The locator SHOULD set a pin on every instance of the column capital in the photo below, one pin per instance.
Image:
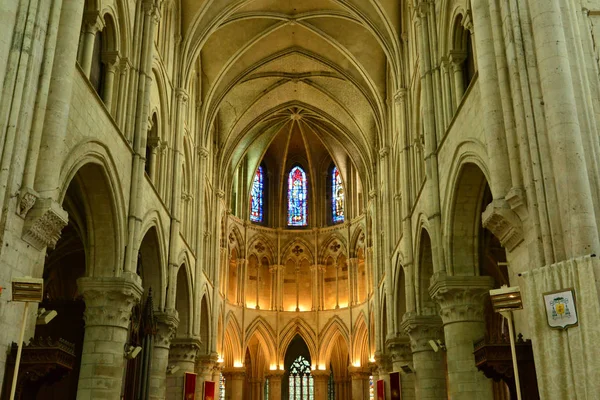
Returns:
(153, 141)
(234, 373)
(399, 348)
(166, 327)
(460, 297)
(93, 22)
(358, 372)
(184, 349)
(457, 57)
(320, 374)
(276, 374)
(421, 329)
(44, 221)
(109, 300)
(112, 59)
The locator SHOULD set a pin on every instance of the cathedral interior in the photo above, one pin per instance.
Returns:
(300, 199)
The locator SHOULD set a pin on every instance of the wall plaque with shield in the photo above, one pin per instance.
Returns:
(561, 309)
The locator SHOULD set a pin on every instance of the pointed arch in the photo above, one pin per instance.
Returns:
(232, 343)
(299, 327)
(260, 329)
(326, 249)
(359, 354)
(269, 250)
(333, 330)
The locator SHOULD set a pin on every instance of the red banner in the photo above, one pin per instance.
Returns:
(395, 386)
(209, 390)
(380, 390)
(189, 386)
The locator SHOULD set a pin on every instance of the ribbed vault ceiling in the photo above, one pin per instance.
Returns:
(267, 63)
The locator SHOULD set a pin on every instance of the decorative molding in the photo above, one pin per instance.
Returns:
(460, 297)
(184, 349)
(504, 223)
(109, 300)
(44, 223)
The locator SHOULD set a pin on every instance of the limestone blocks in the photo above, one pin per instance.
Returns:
(109, 300)
(461, 298)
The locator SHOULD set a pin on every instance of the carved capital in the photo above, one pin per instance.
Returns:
(460, 297)
(166, 327)
(153, 141)
(109, 300)
(421, 329)
(457, 58)
(184, 349)
(384, 152)
(504, 223)
(206, 364)
(220, 194)
(399, 349)
(92, 22)
(111, 59)
(44, 222)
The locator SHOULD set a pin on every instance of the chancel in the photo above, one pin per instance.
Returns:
(300, 199)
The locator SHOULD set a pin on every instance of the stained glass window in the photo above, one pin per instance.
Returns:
(257, 196)
(337, 195)
(297, 197)
(371, 388)
(221, 387)
(301, 381)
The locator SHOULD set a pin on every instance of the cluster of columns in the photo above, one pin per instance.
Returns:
(444, 373)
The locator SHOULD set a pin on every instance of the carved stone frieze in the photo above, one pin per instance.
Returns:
(109, 300)
(44, 223)
(461, 298)
(421, 329)
(504, 223)
(166, 328)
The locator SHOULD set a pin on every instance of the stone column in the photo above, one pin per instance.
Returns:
(461, 300)
(205, 368)
(430, 376)
(320, 378)
(108, 304)
(234, 383)
(275, 377)
(360, 383)
(456, 61)
(92, 24)
(401, 355)
(166, 327)
(111, 60)
(183, 355)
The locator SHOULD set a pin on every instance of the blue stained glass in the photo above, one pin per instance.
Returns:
(337, 195)
(297, 197)
(257, 196)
